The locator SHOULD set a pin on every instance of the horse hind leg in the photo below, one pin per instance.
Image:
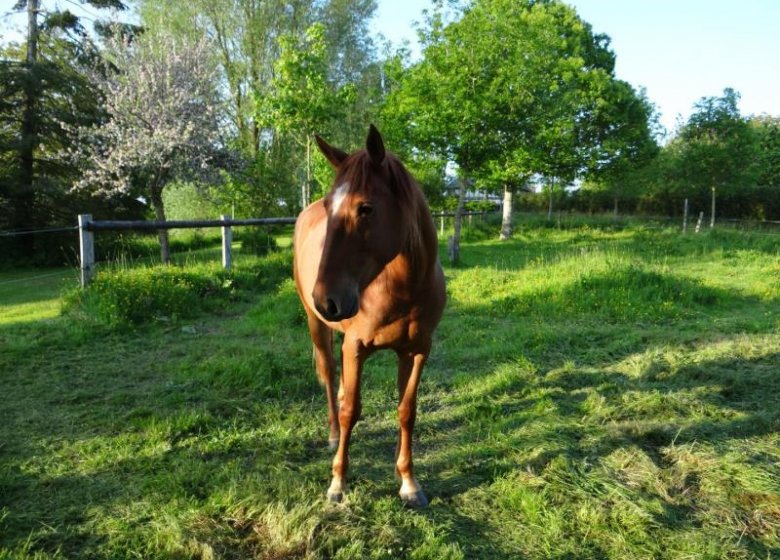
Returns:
(410, 366)
(325, 365)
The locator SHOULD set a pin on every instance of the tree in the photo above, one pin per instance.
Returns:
(509, 90)
(767, 132)
(41, 84)
(627, 125)
(249, 38)
(717, 149)
(302, 102)
(163, 122)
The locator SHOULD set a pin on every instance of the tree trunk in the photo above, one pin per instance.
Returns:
(616, 206)
(306, 186)
(506, 216)
(23, 201)
(712, 215)
(550, 206)
(454, 241)
(159, 215)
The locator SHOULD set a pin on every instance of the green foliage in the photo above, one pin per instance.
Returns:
(303, 100)
(627, 126)
(302, 97)
(508, 90)
(135, 296)
(186, 201)
(480, 206)
(716, 149)
(717, 145)
(767, 131)
(124, 297)
(290, 71)
(37, 100)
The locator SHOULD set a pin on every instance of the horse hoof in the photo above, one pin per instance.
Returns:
(333, 444)
(335, 497)
(415, 500)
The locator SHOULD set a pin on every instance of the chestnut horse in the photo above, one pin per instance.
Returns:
(366, 265)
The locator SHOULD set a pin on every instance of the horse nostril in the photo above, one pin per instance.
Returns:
(332, 308)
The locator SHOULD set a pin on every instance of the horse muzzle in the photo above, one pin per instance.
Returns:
(335, 305)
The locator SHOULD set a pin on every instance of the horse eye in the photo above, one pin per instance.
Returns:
(365, 210)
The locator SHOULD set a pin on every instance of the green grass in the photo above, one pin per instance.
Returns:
(29, 294)
(594, 392)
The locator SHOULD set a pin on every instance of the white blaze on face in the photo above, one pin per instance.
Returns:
(338, 198)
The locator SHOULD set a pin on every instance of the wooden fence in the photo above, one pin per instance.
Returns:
(87, 227)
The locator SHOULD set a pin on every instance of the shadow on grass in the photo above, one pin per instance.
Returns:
(106, 445)
(543, 425)
(528, 248)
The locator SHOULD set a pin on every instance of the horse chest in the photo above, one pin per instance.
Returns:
(397, 334)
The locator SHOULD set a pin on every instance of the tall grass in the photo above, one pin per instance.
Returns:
(594, 392)
(124, 296)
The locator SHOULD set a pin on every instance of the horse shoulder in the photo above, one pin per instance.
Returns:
(307, 249)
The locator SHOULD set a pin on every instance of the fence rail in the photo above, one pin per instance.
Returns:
(87, 226)
(109, 225)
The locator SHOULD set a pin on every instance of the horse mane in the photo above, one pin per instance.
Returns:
(417, 223)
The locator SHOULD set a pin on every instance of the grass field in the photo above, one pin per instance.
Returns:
(594, 392)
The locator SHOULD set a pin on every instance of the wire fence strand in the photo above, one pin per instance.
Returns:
(28, 278)
(13, 233)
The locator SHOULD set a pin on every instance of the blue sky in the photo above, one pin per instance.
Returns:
(679, 50)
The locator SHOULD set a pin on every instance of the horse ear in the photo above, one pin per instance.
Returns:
(375, 146)
(335, 156)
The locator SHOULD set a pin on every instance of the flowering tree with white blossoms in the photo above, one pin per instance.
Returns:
(163, 122)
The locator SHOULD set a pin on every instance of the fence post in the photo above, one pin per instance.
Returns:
(227, 243)
(685, 217)
(86, 249)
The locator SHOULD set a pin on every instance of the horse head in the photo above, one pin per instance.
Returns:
(364, 225)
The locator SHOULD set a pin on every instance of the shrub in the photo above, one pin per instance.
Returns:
(132, 296)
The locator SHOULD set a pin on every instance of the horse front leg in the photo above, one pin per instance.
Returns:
(410, 366)
(353, 357)
(322, 339)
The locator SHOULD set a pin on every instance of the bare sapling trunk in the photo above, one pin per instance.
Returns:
(306, 186)
(162, 234)
(454, 241)
(712, 213)
(550, 205)
(25, 197)
(506, 215)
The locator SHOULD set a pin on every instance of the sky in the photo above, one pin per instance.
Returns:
(679, 50)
